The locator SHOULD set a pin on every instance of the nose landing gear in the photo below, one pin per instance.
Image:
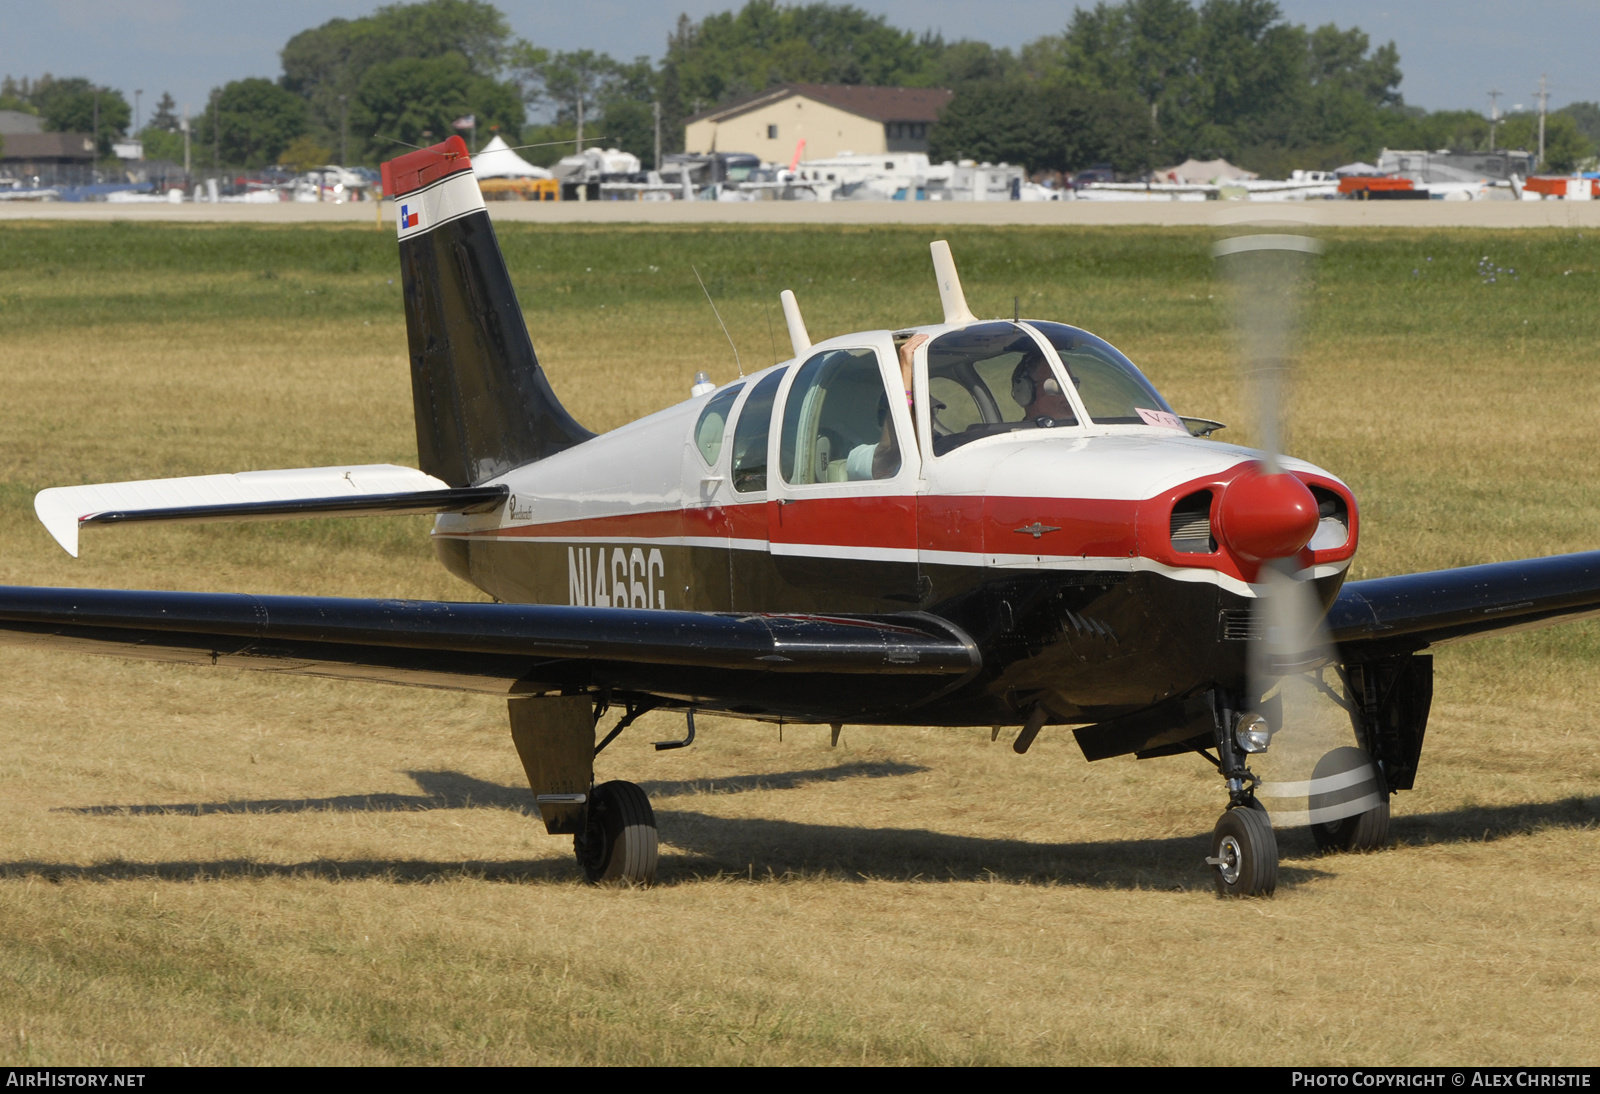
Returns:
(1244, 850)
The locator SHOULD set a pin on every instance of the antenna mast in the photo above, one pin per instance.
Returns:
(720, 323)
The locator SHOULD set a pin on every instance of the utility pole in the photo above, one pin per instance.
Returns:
(583, 174)
(136, 93)
(185, 142)
(1494, 114)
(1544, 101)
(657, 110)
(344, 131)
(216, 130)
(95, 176)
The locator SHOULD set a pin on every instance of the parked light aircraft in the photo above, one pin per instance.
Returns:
(966, 523)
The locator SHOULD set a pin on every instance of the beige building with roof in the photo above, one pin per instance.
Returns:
(27, 146)
(830, 118)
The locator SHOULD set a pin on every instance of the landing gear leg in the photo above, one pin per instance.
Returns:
(1244, 850)
(612, 826)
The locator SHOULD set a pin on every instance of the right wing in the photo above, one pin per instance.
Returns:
(825, 668)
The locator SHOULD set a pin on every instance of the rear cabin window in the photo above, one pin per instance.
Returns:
(750, 436)
(1113, 390)
(836, 421)
(713, 424)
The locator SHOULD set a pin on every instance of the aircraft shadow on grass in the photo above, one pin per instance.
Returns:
(454, 790)
(703, 846)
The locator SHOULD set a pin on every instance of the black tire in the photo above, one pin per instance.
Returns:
(1244, 853)
(619, 844)
(1364, 831)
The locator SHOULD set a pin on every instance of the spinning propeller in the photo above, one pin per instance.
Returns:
(1312, 770)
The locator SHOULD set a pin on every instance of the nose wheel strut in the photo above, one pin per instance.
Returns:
(1244, 849)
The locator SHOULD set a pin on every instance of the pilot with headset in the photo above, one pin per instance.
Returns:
(1038, 392)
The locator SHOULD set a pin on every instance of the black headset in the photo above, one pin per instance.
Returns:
(1022, 385)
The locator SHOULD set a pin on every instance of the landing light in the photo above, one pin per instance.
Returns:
(1252, 733)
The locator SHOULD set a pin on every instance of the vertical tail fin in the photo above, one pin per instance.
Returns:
(483, 405)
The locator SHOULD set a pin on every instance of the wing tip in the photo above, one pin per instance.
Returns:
(55, 511)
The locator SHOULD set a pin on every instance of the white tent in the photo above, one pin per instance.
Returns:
(496, 160)
(1357, 169)
(1203, 171)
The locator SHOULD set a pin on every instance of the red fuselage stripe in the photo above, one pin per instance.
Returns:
(1046, 528)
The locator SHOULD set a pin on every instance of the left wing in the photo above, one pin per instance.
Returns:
(804, 666)
(1389, 616)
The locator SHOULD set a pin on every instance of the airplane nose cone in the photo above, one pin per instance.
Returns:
(1267, 516)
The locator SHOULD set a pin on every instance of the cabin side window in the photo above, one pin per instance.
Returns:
(750, 436)
(713, 424)
(836, 422)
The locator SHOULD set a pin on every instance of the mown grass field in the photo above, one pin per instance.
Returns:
(210, 867)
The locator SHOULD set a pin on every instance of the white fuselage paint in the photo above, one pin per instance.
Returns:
(652, 466)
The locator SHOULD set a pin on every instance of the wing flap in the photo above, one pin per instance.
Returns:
(257, 495)
(1412, 612)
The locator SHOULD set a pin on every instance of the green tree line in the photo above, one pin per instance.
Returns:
(1135, 84)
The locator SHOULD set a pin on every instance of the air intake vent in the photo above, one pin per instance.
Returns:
(1235, 625)
(1191, 525)
(1333, 520)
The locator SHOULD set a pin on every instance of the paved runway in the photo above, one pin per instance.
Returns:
(1333, 214)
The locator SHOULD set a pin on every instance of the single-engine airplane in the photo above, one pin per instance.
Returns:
(966, 523)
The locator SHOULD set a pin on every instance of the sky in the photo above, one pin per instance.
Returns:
(1452, 53)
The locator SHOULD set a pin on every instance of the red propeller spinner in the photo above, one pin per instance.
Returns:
(1264, 515)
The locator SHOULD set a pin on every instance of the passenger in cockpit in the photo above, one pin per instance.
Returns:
(908, 352)
(882, 460)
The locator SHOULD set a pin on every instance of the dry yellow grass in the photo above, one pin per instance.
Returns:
(211, 867)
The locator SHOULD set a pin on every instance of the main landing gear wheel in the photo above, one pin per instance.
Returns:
(1367, 831)
(1244, 853)
(619, 843)
(1364, 831)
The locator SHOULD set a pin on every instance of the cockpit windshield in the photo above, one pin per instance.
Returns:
(992, 378)
(1114, 392)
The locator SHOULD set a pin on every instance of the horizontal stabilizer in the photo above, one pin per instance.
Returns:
(257, 495)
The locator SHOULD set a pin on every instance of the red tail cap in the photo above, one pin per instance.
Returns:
(414, 170)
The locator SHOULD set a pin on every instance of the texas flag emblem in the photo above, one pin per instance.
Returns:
(408, 218)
